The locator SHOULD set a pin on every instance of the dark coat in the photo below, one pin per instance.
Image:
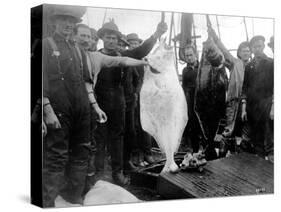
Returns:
(258, 87)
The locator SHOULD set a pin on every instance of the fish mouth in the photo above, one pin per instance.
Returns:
(153, 70)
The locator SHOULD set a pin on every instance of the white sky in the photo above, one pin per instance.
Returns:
(232, 28)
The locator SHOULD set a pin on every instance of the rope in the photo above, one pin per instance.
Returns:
(105, 13)
(218, 26)
(171, 25)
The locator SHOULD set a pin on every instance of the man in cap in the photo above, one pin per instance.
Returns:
(236, 67)
(189, 74)
(137, 143)
(122, 43)
(257, 98)
(110, 95)
(95, 61)
(85, 40)
(68, 123)
(134, 40)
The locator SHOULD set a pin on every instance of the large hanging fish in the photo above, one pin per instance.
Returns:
(210, 92)
(162, 103)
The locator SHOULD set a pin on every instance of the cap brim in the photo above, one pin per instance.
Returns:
(139, 40)
(126, 42)
(56, 16)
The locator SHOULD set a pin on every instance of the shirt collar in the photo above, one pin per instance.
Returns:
(194, 66)
(263, 56)
(59, 38)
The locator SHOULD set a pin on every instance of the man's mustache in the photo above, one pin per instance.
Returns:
(85, 43)
(68, 28)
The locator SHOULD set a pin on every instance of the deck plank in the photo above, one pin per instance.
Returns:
(240, 174)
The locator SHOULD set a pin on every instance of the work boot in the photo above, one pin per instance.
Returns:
(90, 182)
(120, 179)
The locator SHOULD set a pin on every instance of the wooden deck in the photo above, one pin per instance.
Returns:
(241, 174)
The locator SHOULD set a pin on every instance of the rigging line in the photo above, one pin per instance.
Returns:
(218, 26)
(105, 13)
(171, 28)
(174, 27)
(245, 24)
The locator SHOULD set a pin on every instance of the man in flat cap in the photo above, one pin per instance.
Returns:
(257, 98)
(134, 40)
(137, 143)
(95, 61)
(68, 123)
(110, 96)
(123, 43)
(189, 75)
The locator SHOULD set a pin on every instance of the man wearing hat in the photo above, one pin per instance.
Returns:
(95, 61)
(257, 99)
(68, 124)
(137, 143)
(110, 96)
(122, 43)
(134, 40)
(189, 75)
(131, 82)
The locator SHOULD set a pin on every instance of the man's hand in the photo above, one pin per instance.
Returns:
(102, 118)
(162, 27)
(244, 116)
(218, 138)
(226, 133)
(244, 113)
(50, 118)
